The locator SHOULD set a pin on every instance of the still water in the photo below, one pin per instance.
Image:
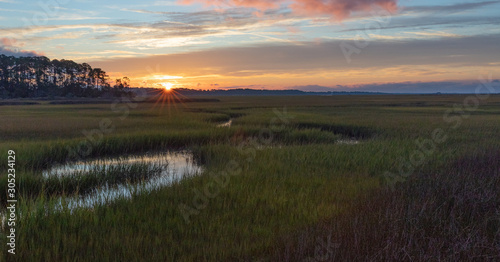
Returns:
(174, 167)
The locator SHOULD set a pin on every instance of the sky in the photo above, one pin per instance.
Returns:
(404, 46)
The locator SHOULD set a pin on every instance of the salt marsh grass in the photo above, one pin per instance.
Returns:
(291, 190)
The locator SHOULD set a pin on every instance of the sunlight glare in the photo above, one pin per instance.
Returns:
(167, 86)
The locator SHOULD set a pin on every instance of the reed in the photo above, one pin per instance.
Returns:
(288, 193)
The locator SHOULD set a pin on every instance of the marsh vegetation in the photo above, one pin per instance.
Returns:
(288, 175)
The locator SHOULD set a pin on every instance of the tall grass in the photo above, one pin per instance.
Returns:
(290, 196)
(448, 215)
(83, 182)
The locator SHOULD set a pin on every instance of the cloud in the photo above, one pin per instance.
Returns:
(276, 66)
(328, 55)
(449, 9)
(313, 88)
(17, 53)
(323, 63)
(175, 29)
(439, 16)
(260, 4)
(7, 41)
(455, 87)
(10, 47)
(338, 9)
(341, 9)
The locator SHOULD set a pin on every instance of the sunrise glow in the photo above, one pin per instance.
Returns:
(304, 45)
(167, 86)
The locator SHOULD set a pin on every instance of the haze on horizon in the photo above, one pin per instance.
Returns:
(369, 45)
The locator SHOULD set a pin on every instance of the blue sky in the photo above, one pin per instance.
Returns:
(265, 44)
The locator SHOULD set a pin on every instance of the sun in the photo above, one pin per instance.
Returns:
(167, 86)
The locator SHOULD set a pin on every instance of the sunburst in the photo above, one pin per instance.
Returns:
(167, 85)
(167, 95)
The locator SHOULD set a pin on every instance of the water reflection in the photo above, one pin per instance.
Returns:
(348, 141)
(175, 166)
(226, 124)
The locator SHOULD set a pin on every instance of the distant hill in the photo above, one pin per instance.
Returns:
(244, 92)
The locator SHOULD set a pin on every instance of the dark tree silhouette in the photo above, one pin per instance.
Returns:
(40, 77)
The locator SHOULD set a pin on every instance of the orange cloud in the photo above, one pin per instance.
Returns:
(341, 9)
(7, 41)
(338, 9)
(322, 63)
(9, 47)
(260, 4)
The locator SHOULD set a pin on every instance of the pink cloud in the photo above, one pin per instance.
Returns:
(293, 29)
(7, 41)
(9, 46)
(338, 9)
(259, 4)
(258, 14)
(341, 9)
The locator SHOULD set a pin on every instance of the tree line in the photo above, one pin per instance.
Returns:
(38, 76)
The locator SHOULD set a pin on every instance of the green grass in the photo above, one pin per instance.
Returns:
(449, 215)
(83, 182)
(277, 181)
